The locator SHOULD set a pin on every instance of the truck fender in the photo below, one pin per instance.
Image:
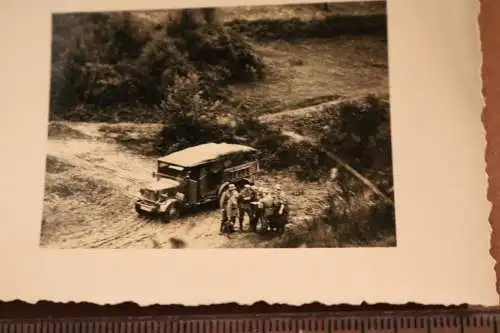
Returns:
(164, 205)
(222, 188)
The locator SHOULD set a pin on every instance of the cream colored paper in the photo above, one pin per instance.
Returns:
(442, 213)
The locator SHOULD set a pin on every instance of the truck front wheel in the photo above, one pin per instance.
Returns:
(172, 212)
(138, 210)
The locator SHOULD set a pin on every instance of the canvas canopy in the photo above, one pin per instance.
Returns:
(204, 153)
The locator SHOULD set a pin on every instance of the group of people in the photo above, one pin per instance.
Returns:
(236, 205)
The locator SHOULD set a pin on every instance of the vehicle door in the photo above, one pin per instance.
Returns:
(215, 176)
(193, 191)
(203, 182)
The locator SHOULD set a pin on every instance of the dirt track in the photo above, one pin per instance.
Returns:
(89, 200)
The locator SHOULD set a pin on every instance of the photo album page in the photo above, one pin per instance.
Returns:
(202, 153)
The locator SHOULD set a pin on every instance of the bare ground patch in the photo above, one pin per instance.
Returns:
(60, 130)
(316, 71)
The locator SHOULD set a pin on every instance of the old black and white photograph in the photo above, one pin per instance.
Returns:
(228, 127)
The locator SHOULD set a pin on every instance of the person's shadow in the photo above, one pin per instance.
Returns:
(177, 243)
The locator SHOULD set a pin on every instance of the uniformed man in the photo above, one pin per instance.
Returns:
(280, 202)
(227, 202)
(266, 202)
(256, 212)
(245, 198)
(256, 195)
(232, 205)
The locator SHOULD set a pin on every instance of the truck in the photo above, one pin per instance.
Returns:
(196, 175)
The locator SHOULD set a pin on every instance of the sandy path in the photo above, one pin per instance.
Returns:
(118, 228)
(290, 115)
(113, 223)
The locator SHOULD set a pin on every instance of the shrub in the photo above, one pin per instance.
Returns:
(357, 215)
(113, 61)
(96, 64)
(309, 233)
(359, 133)
(353, 217)
(189, 118)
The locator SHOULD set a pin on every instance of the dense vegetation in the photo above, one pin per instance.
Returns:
(115, 67)
(358, 133)
(120, 67)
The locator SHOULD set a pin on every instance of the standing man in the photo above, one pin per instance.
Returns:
(255, 192)
(280, 202)
(266, 208)
(225, 206)
(255, 211)
(232, 205)
(245, 198)
(279, 198)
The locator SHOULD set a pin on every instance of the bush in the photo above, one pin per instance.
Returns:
(354, 217)
(357, 215)
(309, 233)
(96, 63)
(360, 133)
(114, 61)
(189, 118)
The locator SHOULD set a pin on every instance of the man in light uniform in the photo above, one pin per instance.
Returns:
(254, 209)
(229, 206)
(281, 202)
(266, 210)
(245, 197)
(279, 197)
(257, 192)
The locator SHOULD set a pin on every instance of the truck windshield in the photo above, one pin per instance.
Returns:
(150, 195)
(169, 170)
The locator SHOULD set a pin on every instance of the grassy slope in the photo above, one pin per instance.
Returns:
(315, 69)
(309, 71)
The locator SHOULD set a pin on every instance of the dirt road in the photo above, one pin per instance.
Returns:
(91, 185)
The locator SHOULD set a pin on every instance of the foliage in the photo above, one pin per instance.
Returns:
(357, 215)
(359, 133)
(295, 29)
(353, 217)
(110, 61)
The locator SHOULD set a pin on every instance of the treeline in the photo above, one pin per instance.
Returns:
(110, 66)
(331, 26)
